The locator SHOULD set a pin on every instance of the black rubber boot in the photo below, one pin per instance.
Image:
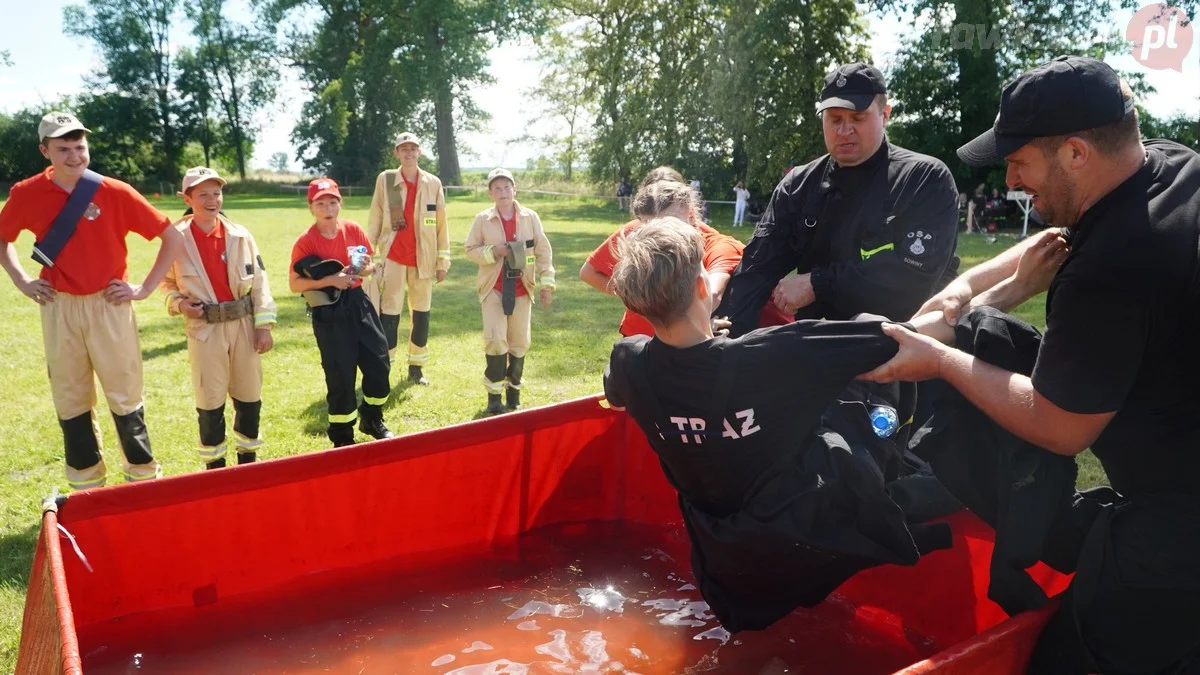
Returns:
(341, 434)
(246, 415)
(494, 406)
(391, 329)
(420, 329)
(79, 441)
(247, 457)
(215, 464)
(370, 422)
(212, 435)
(416, 376)
(494, 373)
(512, 395)
(135, 441)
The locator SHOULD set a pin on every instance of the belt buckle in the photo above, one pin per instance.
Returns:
(511, 273)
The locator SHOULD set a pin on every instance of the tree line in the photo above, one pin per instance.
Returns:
(723, 90)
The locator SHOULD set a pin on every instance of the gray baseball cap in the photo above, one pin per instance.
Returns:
(59, 124)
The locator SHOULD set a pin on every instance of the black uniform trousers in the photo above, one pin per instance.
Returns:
(350, 338)
(1134, 603)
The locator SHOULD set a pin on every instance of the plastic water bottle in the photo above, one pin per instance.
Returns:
(358, 258)
(884, 421)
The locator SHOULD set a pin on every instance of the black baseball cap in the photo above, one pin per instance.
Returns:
(1065, 96)
(853, 85)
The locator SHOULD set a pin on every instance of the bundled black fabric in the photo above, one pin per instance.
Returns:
(1023, 491)
(816, 516)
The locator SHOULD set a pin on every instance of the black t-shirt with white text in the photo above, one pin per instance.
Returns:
(786, 378)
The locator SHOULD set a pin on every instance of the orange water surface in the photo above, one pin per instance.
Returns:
(595, 598)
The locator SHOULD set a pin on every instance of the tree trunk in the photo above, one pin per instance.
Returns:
(447, 151)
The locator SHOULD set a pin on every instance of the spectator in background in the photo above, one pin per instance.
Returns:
(624, 192)
(975, 209)
(739, 207)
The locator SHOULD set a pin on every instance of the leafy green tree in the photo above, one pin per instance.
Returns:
(19, 156)
(197, 114)
(133, 38)
(946, 80)
(361, 92)
(239, 64)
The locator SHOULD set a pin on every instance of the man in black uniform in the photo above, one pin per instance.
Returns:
(782, 491)
(1116, 369)
(870, 227)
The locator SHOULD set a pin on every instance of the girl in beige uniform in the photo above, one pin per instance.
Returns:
(220, 287)
(514, 257)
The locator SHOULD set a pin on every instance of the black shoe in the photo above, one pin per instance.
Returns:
(375, 428)
(512, 398)
(494, 406)
(247, 457)
(415, 376)
(215, 464)
(341, 434)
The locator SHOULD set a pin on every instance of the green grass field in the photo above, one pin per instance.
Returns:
(571, 343)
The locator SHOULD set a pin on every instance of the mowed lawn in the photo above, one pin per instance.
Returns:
(571, 343)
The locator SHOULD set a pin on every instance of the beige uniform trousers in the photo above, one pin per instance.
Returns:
(85, 338)
(395, 281)
(226, 364)
(506, 334)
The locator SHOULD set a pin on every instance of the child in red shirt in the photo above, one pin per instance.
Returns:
(345, 324)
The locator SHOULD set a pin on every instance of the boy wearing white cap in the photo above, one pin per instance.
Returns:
(407, 226)
(220, 287)
(514, 257)
(81, 219)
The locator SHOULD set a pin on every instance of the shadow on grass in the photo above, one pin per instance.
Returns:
(16, 555)
(316, 415)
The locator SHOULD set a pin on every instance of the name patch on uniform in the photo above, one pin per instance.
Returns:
(696, 427)
(431, 207)
(429, 222)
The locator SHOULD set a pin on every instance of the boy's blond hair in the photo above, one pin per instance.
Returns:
(658, 263)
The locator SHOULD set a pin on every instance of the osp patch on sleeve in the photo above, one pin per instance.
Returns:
(916, 247)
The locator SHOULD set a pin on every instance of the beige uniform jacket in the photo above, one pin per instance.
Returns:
(187, 278)
(487, 232)
(387, 215)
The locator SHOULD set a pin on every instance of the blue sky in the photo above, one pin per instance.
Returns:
(48, 64)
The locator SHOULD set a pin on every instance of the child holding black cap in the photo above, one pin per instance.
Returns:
(345, 324)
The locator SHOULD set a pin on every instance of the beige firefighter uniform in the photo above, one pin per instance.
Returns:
(388, 286)
(221, 344)
(73, 328)
(508, 335)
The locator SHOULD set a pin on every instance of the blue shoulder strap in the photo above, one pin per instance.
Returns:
(60, 232)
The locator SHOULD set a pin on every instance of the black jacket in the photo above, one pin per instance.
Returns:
(878, 238)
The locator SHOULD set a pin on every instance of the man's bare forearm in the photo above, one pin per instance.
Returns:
(986, 275)
(1004, 296)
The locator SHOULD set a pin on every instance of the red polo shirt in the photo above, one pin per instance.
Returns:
(96, 254)
(404, 246)
(312, 242)
(211, 246)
